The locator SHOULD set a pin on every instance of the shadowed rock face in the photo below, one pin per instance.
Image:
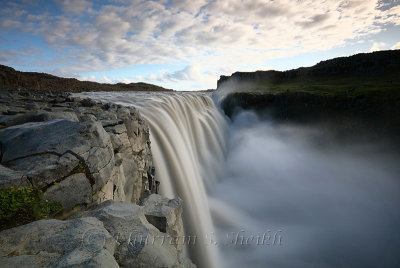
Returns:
(350, 117)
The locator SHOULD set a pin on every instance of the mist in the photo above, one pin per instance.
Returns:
(318, 202)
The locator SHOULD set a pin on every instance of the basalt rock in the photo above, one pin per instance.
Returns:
(82, 242)
(140, 243)
(89, 156)
(108, 144)
(166, 215)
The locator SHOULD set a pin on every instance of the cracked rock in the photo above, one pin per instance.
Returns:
(55, 243)
(73, 190)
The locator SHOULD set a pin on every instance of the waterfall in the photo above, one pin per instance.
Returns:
(284, 195)
(187, 136)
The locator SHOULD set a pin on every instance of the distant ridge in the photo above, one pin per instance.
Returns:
(11, 78)
(364, 65)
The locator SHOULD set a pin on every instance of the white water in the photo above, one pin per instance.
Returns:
(188, 137)
(323, 206)
(330, 204)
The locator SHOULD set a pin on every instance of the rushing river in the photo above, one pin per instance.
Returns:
(263, 195)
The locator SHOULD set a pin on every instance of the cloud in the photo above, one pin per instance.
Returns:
(74, 6)
(396, 46)
(209, 36)
(191, 72)
(376, 46)
(107, 80)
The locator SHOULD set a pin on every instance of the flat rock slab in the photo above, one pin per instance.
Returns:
(87, 141)
(82, 242)
(54, 136)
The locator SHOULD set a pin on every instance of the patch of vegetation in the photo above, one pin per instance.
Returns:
(80, 168)
(22, 205)
(346, 86)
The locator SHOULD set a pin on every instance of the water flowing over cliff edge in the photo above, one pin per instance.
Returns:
(188, 136)
(267, 194)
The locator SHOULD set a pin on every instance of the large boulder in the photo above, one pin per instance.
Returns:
(45, 169)
(166, 215)
(80, 242)
(42, 143)
(140, 243)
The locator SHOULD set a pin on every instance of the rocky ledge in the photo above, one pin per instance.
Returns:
(94, 160)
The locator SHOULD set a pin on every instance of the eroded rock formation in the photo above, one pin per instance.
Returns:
(95, 159)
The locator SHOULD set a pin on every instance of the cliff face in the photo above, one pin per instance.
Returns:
(379, 64)
(360, 118)
(40, 81)
(95, 159)
(357, 94)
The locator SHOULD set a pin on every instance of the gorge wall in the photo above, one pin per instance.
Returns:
(356, 95)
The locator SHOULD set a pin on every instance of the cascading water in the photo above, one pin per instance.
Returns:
(187, 136)
(281, 200)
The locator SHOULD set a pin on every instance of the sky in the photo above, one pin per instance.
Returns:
(188, 44)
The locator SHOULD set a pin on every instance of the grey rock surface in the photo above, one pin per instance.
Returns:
(84, 154)
(87, 141)
(44, 169)
(166, 215)
(12, 178)
(140, 243)
(72, 191)
(54, 243)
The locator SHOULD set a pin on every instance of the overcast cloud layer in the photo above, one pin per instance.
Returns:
(206, 38)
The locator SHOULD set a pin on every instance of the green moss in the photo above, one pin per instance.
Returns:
(23, 205)
(80, 168)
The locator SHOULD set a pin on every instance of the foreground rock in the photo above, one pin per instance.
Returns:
(112, 234)
(48, 138)
(80, 243)
(89, 156)
(140, 243)
(166, 215)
